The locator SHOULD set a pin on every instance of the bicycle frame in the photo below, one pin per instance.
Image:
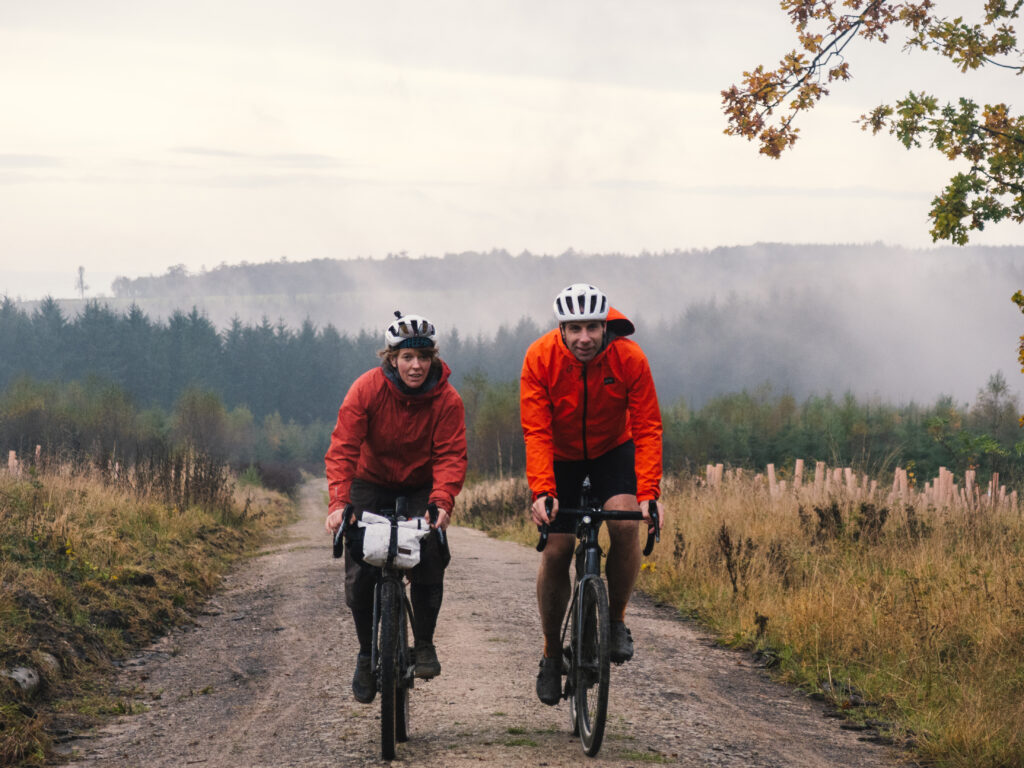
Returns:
(394, 676)
(587, 623)
(588, 554)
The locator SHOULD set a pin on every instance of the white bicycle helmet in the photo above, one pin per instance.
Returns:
(410, 331)
(580, 302)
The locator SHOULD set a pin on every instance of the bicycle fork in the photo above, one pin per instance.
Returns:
(405, 615)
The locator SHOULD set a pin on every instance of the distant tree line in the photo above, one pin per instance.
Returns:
(268, 368)
(299, 374)
(105, 382)
(808, 318)
(111, 384)
(753, 429)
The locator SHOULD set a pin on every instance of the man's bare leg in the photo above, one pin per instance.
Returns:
(623, 563)
(554, 589)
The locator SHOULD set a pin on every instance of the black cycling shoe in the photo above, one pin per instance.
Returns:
(427, 665)
(621, 645)
(363, 686)
(549, 680)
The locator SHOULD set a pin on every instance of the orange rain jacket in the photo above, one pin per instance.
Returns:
(572, 411)
(397, 439)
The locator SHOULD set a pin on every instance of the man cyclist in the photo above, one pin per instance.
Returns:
(588, 408)
(401, 431)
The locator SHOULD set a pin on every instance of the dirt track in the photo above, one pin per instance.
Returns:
(263, 680)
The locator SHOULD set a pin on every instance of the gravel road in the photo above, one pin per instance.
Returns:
(263, 679)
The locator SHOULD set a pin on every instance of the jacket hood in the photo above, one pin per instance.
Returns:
(618, 325)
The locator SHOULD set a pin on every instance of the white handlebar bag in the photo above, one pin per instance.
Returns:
(377, 540)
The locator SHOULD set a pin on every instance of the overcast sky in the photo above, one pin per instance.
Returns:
(137, 135)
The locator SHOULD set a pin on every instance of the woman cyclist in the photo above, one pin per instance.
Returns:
(401, 431)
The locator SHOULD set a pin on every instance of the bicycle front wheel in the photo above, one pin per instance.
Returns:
(388, 653)
(592, 664)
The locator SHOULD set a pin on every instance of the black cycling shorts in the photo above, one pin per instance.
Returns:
(611, 474)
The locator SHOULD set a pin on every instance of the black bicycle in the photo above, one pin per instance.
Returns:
(587, 623)
(391, 656)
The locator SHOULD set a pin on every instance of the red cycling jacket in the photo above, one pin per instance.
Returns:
(572, 411)
(392, 438)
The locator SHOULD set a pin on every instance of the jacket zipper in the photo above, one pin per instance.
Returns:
(585, 456)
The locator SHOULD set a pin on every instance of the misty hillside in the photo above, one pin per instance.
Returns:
(902, 324)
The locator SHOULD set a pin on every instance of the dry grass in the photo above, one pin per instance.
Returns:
(498, 507)
(87, 572)
(908, 616)
(915, 611)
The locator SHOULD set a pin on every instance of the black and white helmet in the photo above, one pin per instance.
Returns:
(410, 331)
(580, 302)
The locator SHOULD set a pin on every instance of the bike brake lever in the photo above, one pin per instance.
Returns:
(549, 504)
(339, 535)
(432, 515)
(339, 541)
(656, 534)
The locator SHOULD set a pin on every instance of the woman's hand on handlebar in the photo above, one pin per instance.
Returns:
(336, 517)
(443, 518)
(538, 510)
(334, 520)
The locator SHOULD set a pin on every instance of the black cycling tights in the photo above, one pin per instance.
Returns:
(426, 605)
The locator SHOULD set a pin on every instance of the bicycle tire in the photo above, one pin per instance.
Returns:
(593, 663)
(405, 661)
(388, 639)
(569, 658)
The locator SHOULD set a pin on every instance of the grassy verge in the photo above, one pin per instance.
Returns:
(907, 617)
(88, 573)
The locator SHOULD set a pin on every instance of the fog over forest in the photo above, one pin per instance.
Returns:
(874, 320)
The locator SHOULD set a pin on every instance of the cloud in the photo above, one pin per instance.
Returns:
(756, 191)
(29, 161)
(285, 160)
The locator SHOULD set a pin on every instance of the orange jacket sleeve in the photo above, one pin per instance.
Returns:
(645, 423)
(535, 413)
